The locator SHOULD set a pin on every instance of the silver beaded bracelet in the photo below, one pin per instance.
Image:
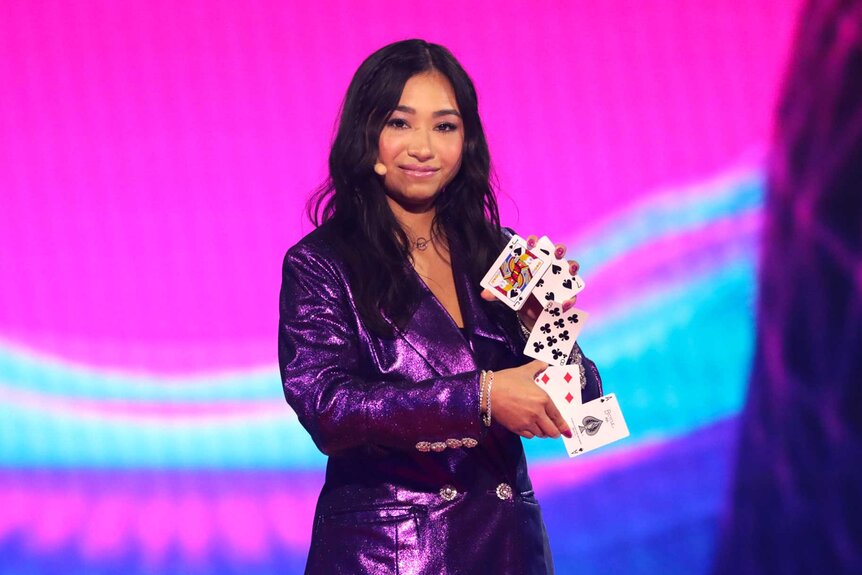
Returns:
(579, 361)
(482, 391)
(524, 331)
(486, 418)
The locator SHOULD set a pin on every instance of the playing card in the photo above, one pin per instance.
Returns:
(557, 284)
(553, 336)
(516, 271)
(546, 243)
(596, 424)
(563, 384)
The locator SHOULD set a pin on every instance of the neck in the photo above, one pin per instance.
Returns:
(417, 223)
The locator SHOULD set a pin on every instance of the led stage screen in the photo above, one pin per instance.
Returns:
(154, 165)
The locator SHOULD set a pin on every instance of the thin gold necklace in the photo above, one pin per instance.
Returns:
(421, 243)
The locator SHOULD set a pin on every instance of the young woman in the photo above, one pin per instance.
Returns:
(408, 377)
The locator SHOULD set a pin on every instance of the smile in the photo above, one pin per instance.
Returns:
(419, 171)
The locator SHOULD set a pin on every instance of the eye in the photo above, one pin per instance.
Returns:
(398, 123)
(447, 127)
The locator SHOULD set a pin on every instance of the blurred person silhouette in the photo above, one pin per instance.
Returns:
(797, 492)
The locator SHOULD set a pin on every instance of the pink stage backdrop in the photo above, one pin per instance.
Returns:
(156, 155)
(155, 160)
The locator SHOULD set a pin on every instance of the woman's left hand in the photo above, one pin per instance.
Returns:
(533, 307)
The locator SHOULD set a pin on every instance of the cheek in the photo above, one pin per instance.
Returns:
(386, 149)
(454, 154)
(454, 166)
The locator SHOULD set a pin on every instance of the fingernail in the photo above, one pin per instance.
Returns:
(573, 269)
(531, 243)
(559, 252)
(568, 433)
(567, 306)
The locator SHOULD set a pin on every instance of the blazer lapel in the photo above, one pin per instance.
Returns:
(477, 321)
(433, 334)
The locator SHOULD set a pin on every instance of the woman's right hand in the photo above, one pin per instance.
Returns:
(522, 407)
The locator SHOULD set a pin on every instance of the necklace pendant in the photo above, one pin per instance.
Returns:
(421, 244)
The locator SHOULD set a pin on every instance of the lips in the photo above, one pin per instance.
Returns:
(419, 171)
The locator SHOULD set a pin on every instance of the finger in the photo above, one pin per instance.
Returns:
(559, 251)
(527, 434)
(574, 266)
(533, 430)
(536, 367)
(487, 295)
(558, 420)
(547, 427)
(532, 309)
(569, 303)
(532, 241)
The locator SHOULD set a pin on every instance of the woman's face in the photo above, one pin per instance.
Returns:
(421, 142)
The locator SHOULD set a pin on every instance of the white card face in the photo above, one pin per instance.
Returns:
(596, 424)
(558, 284)
(546, 243)
(563, 384)
(554, 334)
(516, 271)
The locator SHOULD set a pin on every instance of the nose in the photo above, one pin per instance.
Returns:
(420, 146)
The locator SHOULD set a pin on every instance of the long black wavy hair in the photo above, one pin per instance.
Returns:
(353, 198)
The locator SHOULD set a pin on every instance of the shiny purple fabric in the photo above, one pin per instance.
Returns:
(367, 401)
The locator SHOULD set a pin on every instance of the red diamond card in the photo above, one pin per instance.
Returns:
(563, 384)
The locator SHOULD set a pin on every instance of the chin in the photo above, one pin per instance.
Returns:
(414, 197)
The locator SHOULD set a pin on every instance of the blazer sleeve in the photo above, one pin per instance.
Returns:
(593, 388)
(321, 369)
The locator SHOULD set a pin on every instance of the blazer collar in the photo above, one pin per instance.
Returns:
(432, 332)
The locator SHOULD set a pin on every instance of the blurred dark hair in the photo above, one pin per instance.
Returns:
(353, 198)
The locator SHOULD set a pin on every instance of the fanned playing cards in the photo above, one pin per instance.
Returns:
(593, 424)
(519, 272)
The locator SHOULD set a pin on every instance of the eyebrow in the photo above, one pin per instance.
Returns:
(438, 113)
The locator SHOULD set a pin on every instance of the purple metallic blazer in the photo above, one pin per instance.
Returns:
(415, 484)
